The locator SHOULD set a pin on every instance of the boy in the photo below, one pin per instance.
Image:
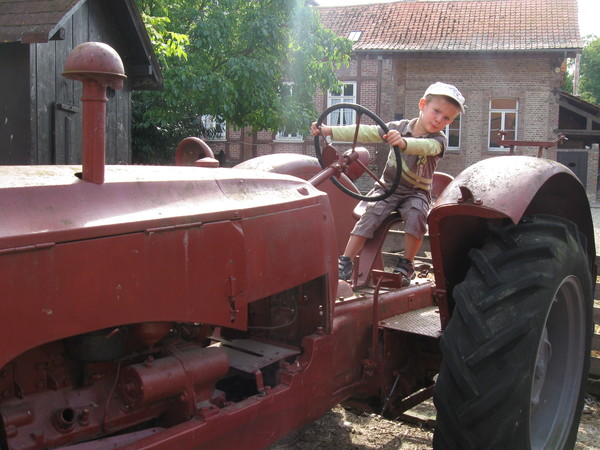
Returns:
(422, 144)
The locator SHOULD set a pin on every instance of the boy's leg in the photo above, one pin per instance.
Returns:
(354, 245)
(353, 248)
(405, 265)
(414, 211)
(372, 218)
(412, 244)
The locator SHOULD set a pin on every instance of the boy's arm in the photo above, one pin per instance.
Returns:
(414, 146)
(367, 134)
(422, 146)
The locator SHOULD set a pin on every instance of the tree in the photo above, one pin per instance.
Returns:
(589, 81)
(227, 59)
(568, 77)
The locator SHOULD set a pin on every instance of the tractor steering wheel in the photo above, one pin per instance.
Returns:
(348, 162)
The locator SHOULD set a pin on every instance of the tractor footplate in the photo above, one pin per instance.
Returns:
(424, 322)
(247, 355)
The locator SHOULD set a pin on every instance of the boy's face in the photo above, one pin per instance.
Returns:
(437, 113)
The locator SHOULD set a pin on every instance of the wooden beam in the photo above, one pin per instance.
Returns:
(578, 111)
(570, 132)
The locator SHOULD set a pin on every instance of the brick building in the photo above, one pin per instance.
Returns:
(508, 57)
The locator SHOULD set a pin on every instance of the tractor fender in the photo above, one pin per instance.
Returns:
(493, 192)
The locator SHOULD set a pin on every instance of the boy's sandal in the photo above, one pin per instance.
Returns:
(406, 269)
(345, 268)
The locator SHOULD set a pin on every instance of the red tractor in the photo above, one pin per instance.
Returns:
(199, 307)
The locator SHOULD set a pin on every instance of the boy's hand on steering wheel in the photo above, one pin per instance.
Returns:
(323, 130)
(393, 137)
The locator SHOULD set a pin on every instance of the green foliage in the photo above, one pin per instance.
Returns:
(227, 59)
(166, 43)
(589, 81)
(568, 77)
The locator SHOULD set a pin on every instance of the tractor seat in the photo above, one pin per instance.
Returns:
(440, 181)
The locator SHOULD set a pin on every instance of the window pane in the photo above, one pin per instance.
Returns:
(347, 116)
(453, 133)
(510, 121)
(495, 121)
(213, 130)
(286, 89)
(503, 117)
(509, 136)
(346, 95)
(456, 123)
(453, 139)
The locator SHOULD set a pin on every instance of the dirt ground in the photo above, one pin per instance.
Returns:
(342, 428)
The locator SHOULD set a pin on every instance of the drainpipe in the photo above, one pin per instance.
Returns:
(99, 67)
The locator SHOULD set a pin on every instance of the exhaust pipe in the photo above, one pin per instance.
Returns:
(99, 67)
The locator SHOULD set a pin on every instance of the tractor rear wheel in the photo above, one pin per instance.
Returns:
(516, 350)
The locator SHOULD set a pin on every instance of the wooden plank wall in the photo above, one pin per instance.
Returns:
(56, 134)
(595, 363)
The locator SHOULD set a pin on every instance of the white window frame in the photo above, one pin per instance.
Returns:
(282, 135)
(210, 123)
(354, 36)
(503, 114)
(459, 128)
(342, 116)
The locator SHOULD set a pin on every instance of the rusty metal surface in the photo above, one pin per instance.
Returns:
(193, 151)
(203, 273)
(491, 191)
(96, 62)
(540, 144)
(118, 283)
(98, 66)
(424, 322)
(159, 258)
(249, 355)
(306, 167)
(49, 203)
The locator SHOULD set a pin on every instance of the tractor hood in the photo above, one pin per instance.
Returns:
(40, 204)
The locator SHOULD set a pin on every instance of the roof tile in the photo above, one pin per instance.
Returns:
(459, 25)
(35, 19)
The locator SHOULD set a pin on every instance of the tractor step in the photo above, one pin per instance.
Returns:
(247, 355)
(424, 322)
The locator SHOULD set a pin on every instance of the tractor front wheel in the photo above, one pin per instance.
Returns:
(516, 350)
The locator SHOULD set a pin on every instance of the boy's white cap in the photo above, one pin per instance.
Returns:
(447, 90)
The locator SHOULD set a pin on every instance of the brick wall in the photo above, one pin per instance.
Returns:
(392, 84)
(529, 79)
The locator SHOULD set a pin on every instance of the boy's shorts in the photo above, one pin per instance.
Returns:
(413, 206)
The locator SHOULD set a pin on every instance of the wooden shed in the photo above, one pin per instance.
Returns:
(40, 111)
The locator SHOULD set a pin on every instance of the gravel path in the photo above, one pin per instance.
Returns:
(345, 429)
